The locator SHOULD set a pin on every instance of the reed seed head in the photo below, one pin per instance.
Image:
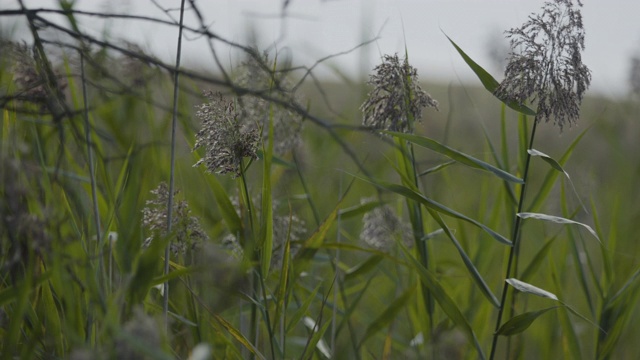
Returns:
(382, 228)
(36, 79)
(187, 227)
(225, 138)
(545, 65)
(396, 100)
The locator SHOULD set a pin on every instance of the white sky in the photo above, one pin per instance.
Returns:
(316, 28)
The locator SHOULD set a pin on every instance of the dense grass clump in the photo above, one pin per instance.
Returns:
(152, 211)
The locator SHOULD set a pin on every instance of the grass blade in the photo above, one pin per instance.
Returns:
(298, 315)
(558, 220)
(316, 340)
(311, 245)
(227, 210)
(431, 204)
(552, 175)
(364, 267)
(530, 289)
(520, 323)
(444, 300)
(537, 260)
(572, 350)
(455, 155)
(388, 315)
(475, 275)
(488, 81)
(266, 228)
(554, 164)
(357, 210)
(237, 335)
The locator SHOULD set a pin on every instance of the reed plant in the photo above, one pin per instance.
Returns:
(152, 211)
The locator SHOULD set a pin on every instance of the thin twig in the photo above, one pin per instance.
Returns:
(174, 121)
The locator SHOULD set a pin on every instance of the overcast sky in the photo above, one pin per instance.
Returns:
(314, 29)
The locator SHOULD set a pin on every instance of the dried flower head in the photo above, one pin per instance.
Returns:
(382, 228)
(30, 82)
(187, 227)
(257, 74)
(227, 141)
(545, 65)
(30, 76)
(397, 100)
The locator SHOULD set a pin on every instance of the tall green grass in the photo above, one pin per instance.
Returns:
(79, 164)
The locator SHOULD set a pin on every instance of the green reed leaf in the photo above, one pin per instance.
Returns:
(52, 317)
(302, 311)
(455, 155)
(558, 220)
(431, 204)
(313, 243)
(552, 175)
(437, 168)
(266, 228)
(360, 209)
(530, 289)
(316, 341)
(471, 268)
(537, 260)
(629, 286)
(443, 299)
(363, 267)
(488, 81)
(283, 283)
(569, 336)
(388, 315)
(554, 164)
(237, 335)
(520, 323)
(228, 211)
(147, 267)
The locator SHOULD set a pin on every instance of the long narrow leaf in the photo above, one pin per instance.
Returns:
(360, 209)
(237, 335)
(364, 267)
(298, 315)
(313, 243)
(554, 164)
(455, 155)
(475, 275)
(316, 340)
(530, 289)
(489, 82)
(520, 323)
(227, 210)
(552, 175)
(266, 230)
(558, 220)
(537, 260)
(444, 300)
(431, 204)
(283, 284)
(572, 349)
(388, 315)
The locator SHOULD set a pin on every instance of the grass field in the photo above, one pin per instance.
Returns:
(321, 238)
